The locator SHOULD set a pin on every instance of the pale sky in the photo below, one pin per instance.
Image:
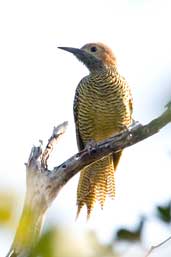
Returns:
(38, 82)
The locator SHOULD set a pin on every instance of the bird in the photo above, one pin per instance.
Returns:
(103, 107)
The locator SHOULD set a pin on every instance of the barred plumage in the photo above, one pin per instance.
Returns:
(102, 108)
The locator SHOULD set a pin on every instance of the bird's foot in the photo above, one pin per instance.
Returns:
(91, 146)
(134, 124)
(128, 129)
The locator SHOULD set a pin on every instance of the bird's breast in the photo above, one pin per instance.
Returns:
(103, 110)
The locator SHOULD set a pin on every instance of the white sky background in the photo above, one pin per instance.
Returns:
(38, 82)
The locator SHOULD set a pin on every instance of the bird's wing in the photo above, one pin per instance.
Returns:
(130, 101)
(129, 95)
(117, 155)
(80, 143)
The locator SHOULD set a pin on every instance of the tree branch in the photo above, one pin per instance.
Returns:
(38, 197)
(120, 141)
(43, 185)
(157, 246)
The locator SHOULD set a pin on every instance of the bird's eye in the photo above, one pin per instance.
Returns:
(93, 49)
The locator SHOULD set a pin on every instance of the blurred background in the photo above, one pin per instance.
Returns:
(38, 83)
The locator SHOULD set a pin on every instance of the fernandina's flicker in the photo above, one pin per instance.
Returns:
(102, 108)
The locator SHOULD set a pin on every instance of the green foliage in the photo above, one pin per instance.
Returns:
(64, 243)
(164, 212)
(6, 208)
(45, 246)
(131, 234)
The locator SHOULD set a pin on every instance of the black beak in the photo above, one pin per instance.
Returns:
(88, 59)
(76, 51)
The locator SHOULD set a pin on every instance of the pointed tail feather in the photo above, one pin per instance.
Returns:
(95, 183)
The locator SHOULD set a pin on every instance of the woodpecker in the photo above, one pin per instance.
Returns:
(102, 108)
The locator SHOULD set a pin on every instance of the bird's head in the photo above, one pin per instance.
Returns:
(94, 55)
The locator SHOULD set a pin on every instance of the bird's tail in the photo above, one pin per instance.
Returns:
(95, 183)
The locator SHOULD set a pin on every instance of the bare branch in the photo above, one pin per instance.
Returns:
(38, 197)
(57, 132)
(43, 185)
(157, 246)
